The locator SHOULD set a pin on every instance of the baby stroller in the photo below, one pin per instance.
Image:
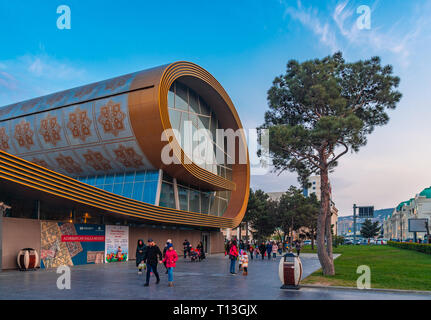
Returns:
(194, 255)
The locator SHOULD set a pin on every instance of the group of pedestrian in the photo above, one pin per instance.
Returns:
(149, 256)
(241, 251)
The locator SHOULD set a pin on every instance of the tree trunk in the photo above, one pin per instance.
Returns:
(326, 261)
(312, 239)
(329, 237)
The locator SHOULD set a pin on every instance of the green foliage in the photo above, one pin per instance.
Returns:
(421, 247)
(391, 268)
(292, 211)
(337, 241)
(321, 109)
(260, 214)
(320, 105)
(370, 229)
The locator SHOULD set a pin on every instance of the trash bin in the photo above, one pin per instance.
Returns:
(27, 259)
(290, 271)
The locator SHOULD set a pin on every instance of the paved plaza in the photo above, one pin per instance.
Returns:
(209, 279)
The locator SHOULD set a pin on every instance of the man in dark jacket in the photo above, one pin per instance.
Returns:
(186, 246)
(262, 249)
(140, 254)
(152, 257)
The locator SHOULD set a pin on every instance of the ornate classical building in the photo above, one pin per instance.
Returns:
(396, 225)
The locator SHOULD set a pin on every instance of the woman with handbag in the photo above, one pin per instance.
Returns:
(233, 255)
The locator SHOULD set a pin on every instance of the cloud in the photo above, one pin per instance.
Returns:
(7, 81)
(338, 29)
(310, 19)
(44, 66)
(32, 75)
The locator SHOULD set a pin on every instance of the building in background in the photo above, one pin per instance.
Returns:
(314, 188)
(396, 224)
(93, 155)
(345, 224)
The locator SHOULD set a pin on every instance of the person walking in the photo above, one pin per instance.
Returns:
(169, 241)
(251, 250)
(268, 250)
(274, 250)
(200, 247)
(141, 249)
(227, 247)
(153, 256)
(186, 246)
(262, 249)
(280, 248)
(170, 259)
(298, 247)
(233, 255)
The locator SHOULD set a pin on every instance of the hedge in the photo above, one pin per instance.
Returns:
(421, 247)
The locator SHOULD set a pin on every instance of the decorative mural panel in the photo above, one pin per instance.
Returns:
(88, 138)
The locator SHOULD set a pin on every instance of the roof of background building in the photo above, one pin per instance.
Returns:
(402, 204)
(426, 193)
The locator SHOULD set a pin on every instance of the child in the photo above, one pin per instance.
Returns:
(239, 258)
(251, 249)
(244, 262)
(170, 260)
(274, 250)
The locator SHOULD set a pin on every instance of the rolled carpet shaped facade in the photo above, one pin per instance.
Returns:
(107, 136)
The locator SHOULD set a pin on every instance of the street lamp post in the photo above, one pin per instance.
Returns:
(354, 224)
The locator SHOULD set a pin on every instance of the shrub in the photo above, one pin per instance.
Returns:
(337, 240)
(421, 247)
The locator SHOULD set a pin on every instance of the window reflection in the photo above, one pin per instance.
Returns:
(185, 105)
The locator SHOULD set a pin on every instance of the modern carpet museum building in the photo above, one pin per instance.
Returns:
(92, 156)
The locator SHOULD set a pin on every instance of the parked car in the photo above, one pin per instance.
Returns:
(348, 241)
(307, 242)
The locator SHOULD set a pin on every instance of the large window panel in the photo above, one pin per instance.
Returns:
(150, 191)
(129, 177)
(109, 179)
(181, 99)
(100, 180)
(140, 176)
(183, 195)
(152, 175)
(175, 118)
(127, 190)
(167, 198)
(171, 97)
(194, 201)
(205, 199)
(119, 178)
(118, 188)
(138, 189)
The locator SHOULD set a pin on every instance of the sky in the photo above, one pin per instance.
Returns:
(245, 45)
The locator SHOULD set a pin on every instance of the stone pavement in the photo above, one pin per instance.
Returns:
(209, 279)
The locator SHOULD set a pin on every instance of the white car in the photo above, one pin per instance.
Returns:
(307, 242)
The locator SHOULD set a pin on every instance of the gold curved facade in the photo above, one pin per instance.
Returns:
(116, 126)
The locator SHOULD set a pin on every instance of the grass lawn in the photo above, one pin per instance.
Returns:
(391, 268)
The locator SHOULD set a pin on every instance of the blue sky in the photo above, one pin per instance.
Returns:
(244, 44)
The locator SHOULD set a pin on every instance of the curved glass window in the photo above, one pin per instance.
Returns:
(188, 113)
(138, 185)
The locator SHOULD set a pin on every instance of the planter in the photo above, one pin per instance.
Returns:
(27, 259)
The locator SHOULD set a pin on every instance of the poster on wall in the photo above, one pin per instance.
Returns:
(116, 243)
(71, 244)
